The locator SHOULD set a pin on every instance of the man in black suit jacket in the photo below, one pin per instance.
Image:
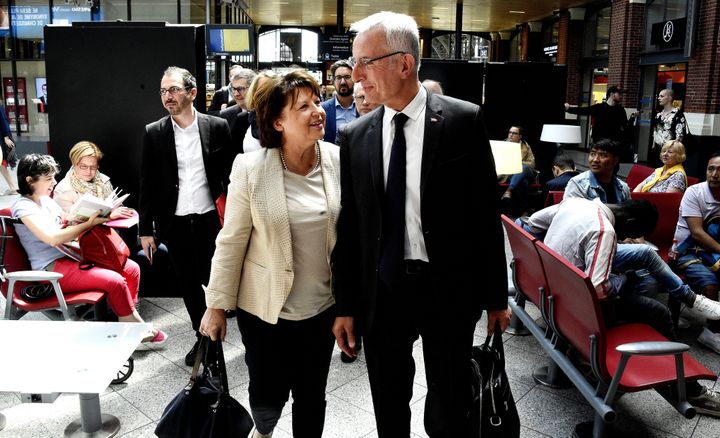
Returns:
(186, 163)
(453, 266)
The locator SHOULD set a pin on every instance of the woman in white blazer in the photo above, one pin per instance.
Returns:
(272, 257)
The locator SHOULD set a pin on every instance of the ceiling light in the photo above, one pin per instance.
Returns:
(362, 5)
(440, 7)
(517, 12)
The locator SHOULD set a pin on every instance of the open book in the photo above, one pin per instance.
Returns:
(88, 204)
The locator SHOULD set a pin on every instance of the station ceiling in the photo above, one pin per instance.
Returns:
(478, 15)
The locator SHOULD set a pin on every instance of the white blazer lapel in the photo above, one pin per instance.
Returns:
(274, 187)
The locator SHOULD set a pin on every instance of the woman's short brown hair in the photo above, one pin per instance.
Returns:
(680, 156)
(84, 149)
(270, 100)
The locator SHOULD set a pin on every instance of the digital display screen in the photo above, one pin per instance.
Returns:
(230, 40)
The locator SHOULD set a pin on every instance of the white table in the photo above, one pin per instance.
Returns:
(42, 358)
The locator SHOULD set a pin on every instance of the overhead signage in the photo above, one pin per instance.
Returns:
(669, 34)
(335, 47)
(550, 50)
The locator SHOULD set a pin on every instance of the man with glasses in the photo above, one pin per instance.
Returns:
(238, 122)
(361, 103)
(340, 109)
(185, 166)
(410, 259)
(223, 97)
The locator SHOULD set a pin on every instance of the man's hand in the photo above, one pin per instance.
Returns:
(214, 324)
(343, 331)
(498, 315)
(148, 245)
(9, 143)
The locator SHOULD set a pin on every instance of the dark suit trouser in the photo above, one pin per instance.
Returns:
(420, 310)
(191, 244)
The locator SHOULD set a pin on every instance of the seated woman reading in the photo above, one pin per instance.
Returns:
(41, 230)
(671, 176)
(85, 177)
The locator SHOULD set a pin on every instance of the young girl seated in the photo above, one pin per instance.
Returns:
(42, 230)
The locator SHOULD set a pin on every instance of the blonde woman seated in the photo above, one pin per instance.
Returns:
(41, 231)
(671, 177)
(84, 177)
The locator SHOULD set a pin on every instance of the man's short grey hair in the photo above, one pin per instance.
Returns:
(244, 73)
(669, 92)
(401, 32)
(357, 87)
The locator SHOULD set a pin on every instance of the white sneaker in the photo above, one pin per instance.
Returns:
(706, 307)
(710, 340)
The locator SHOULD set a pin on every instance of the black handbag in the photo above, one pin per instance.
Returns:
(493, 412)
(204, 408)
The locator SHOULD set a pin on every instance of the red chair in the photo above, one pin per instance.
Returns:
(637, 174)
(15, 274)
(668, 206)
(527, 271)
(628, 357)
(529, 280)
(692, 180)
(554, 197)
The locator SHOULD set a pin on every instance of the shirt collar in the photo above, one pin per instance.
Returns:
(190, 126)
(339, 105)
(414, 109)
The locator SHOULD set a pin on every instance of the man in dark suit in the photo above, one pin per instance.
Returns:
(237, 115)
(340, 109)
(412, 256)
(223, 97)
(185, 166)
(564, 170)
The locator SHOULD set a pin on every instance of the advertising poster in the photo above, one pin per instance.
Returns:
(11, 100)
(42, 97)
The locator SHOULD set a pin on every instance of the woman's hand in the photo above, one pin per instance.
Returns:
(121, 213)
(96, 219)
(214, 324)
(8, 142)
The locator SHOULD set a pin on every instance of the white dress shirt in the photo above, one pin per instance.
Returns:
(194, 195)
(414, 130)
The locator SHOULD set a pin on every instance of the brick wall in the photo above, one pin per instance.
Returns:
(563, 36)
(576, 29)
(627, 31)
(703, 81)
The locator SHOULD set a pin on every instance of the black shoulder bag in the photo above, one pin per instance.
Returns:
(493, 412)
(204, 408)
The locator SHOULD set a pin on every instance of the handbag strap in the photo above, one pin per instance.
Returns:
(202, 353)
(497, 343)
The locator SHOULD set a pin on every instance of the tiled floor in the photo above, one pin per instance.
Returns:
(160, 373)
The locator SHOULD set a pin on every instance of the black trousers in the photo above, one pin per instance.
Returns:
(191, 244)
(421, 309)
(284, 357)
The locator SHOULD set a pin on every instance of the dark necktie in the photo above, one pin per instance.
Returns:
(392, 256)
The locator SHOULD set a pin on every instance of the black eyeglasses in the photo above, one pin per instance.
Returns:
(239, 89)
(366, 62)
(172, 90)
(346, 78)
